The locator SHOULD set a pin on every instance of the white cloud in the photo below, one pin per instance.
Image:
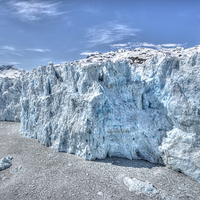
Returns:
(109, 32)
(34, 10)
(88, 53)
(118, 45)
(14, 63)
(9, 48)
(130, 45)
(171, 45)
(16, 51)
(156, 46)
(38, 50)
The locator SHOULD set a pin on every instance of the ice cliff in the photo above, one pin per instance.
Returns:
(137, 104)
(10, 93)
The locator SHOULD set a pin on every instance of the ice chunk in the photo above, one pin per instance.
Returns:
(140, 187)
(5, 162)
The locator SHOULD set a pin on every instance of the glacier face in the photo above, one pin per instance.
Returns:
(137, 104)
(93, 111)
(10, 93)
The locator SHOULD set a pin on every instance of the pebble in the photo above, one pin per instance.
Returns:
(100, 193)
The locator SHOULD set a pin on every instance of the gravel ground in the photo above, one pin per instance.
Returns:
(38, 172)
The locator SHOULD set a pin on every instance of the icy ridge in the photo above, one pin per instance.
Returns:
(10, 71)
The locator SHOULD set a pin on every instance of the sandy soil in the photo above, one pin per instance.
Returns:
(38, 172)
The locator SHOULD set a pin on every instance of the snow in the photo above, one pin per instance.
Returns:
(10, 71)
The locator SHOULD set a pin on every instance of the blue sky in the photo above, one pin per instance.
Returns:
(38, 31)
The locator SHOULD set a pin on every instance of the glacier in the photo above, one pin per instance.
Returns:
(10, 93)
(136, 104)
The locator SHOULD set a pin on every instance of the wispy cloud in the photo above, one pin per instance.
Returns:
(119, 45)
(130, 45)
(156, 46)
(10, 50)
(88, 53)
(109, 33)
(35, 10)
(19, 52)
(38, 50)
(14, 63)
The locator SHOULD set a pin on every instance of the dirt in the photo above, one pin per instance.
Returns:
(38, 172)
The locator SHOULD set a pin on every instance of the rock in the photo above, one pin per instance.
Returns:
(4, 178)
(140, 187)
(16, 169)
(100, 193)
(5, 162)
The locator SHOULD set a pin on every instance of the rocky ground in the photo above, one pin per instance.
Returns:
(38, 172)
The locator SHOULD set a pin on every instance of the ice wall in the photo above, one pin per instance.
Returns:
(146, 110)
(137, 104)
(10, 94)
